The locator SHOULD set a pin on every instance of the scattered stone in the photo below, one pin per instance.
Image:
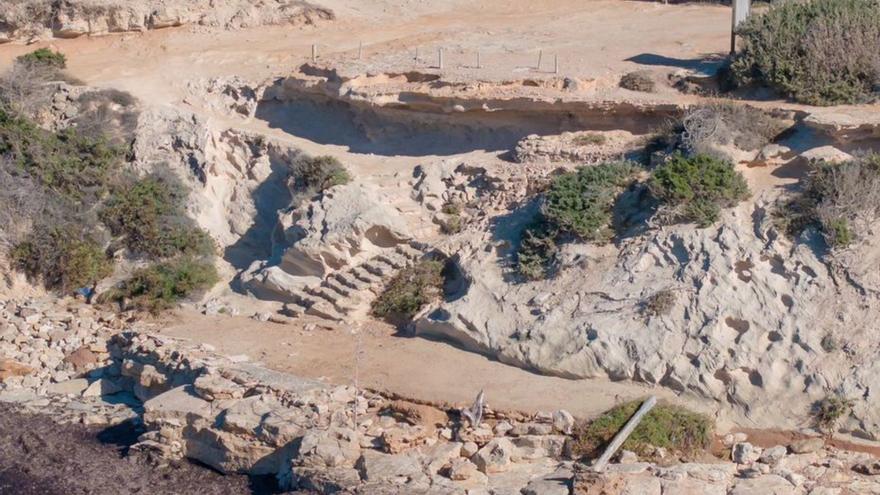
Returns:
(495, 456)
(807, 445)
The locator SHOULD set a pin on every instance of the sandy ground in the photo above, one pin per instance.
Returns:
(413, 367)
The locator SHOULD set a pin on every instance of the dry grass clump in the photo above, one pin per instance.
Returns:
(640, 80)
(705, 127)
(843, 200)
(674, 428)
(828, 412)
(659, 304)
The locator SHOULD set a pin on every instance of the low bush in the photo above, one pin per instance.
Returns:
(659, 304)
(695, 189)
(107, 114)
(671, 427)
(578, 204)
(640, 80)
(537, 257)
(148, 216)
(43, 57)
(842, 200)
(61, 258)
(159, 286)
(315, 174)
(828, 412)
(820, 52)
(706, 127)
(67, 162)
(410, 291)
(581, 202)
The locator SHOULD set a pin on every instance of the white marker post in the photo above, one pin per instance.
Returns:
(741, 11)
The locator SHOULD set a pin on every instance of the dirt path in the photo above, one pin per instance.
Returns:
(412, 367)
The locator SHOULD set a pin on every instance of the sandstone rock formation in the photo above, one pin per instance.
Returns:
(23, 20)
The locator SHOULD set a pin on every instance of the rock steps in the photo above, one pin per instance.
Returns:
(347, 293)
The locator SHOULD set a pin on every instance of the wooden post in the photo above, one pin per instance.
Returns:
(623, 434)
(440, 58)
(556, 64)
(741, 11)
(314, 52)
(417, 56)
(540, 56)
(479, 62)
(360, 50)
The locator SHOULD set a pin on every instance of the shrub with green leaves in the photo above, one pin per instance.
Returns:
(828, 412)
(149, 217)
(61, 258)
(820, 52)
(841, 199)
(537, 257)
(671, 427)
(695, 189)
(409, 291)
(44, 57)
(581, 202)
(159, 286)
(316, 174)
(66, 162)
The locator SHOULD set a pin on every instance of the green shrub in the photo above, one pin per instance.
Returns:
(315, 174)
(581, 202)
(695, 189)
(44, 57)
(842, 200)
(640, 80)
(149, 217)
(670, 427)
(160, 286)
(410, 291)
(828, 412)
(820, 52)
(61, 258)
(537, 257)
(66, 162)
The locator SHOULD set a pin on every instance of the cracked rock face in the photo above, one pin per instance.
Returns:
(746, 326)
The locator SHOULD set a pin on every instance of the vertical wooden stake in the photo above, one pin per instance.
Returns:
(440, 58)
(741, 11)
(479, 62)
(556, 64)
(360, 50)
(314, 52)
(417, 56)
(540, 56)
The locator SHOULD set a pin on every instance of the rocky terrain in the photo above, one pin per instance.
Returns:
(443, 164)
(31, 20)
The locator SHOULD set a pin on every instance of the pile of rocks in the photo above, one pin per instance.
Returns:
(577, 147)
(43, 346)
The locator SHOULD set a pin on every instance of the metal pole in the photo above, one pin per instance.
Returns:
(741, 11)
(623, 434)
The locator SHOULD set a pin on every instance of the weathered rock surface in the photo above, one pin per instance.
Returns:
(29, 19)
(750, 313)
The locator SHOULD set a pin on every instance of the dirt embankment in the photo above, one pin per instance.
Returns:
(40, 457)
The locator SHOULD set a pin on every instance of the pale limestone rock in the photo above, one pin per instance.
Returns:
(495, 456)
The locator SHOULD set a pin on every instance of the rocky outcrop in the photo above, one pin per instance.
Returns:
(749, 314)
(24, 20)
(577, 147)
